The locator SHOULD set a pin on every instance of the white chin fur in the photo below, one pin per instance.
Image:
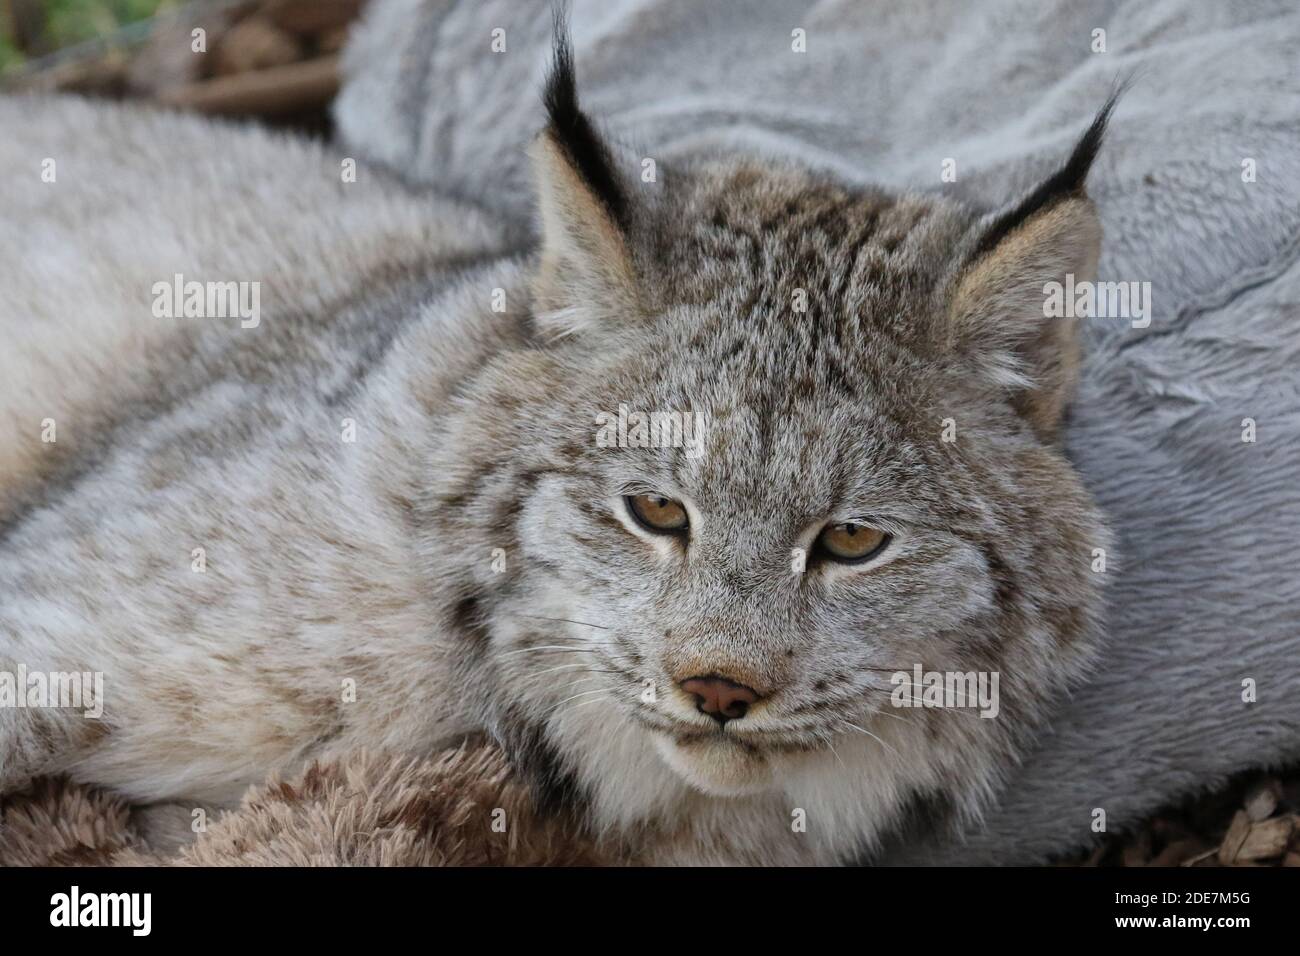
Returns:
(717, 767)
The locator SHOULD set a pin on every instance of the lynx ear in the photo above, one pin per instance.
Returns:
(997, 315)
(586, 274)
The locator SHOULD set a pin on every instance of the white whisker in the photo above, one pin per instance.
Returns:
(564, 620)
(575, 648)
(586, 693)
(873, 737)
(569, 667)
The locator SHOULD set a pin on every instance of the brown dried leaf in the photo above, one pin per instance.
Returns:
(1238, 830)
(1266, 840)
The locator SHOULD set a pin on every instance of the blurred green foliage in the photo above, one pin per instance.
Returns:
(68, 22)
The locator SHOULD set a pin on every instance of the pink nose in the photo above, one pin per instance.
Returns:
(721, 699)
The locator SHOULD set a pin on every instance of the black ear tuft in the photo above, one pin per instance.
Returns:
(574, 133)
(1066, 182)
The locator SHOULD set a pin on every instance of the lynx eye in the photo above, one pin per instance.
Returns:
(850, 543)
(657, 513)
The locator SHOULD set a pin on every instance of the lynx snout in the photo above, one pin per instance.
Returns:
(720, 698)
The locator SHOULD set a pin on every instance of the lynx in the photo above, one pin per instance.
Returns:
(689, 649)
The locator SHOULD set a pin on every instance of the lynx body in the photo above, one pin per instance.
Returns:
(381, 518)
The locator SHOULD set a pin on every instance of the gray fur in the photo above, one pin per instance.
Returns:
(176, 434)
(373, 562)
(1204, 591)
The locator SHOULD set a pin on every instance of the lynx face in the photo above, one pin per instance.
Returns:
(820, 535)
(817, 545)
(849, 467)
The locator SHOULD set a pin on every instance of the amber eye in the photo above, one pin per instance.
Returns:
(657, 513)
(851, 543)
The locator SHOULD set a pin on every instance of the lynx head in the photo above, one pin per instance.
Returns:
(768, 441)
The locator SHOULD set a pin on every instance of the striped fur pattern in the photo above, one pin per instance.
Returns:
(467, 562)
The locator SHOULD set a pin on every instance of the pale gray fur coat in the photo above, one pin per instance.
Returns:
(1204, 590)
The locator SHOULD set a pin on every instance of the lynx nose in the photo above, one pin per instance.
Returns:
(721, 699)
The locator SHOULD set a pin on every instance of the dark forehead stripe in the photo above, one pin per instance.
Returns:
(835, 246)
(813, 234)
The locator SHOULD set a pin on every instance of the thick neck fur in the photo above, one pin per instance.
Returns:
(468, 562)
(562, 637)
